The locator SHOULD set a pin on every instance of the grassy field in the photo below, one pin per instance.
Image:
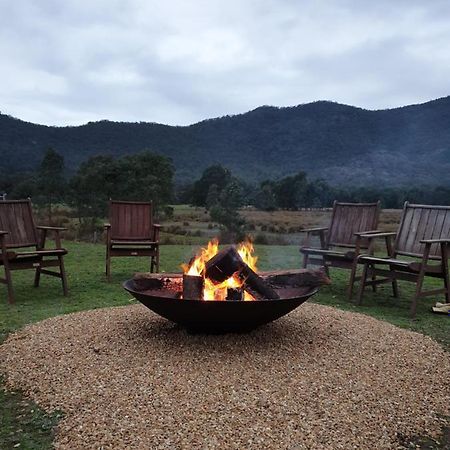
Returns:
(23, 423)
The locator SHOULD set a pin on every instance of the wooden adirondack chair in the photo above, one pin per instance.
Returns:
(131, 232)
(18, 231)
(423, 234)
(341, 243)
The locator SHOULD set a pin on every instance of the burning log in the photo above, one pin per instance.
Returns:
(228, 262)
(193, 287)
(235, 294)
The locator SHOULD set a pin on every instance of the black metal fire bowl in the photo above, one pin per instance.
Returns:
(219, 316)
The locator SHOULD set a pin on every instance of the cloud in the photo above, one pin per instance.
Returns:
(179, 62)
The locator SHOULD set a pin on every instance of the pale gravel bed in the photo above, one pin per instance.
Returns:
(317, 378)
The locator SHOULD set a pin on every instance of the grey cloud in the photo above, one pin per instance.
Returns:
(179, 62)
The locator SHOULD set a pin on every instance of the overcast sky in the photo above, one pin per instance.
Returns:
(67, 62)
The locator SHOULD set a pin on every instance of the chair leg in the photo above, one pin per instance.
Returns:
(9, 286)
(305, 261)
(157, 260)
(152, 264)
(395, 288)
(445, 272)
(417, 294)
(108, 263)
(62, 271)
(352, 278)
(374, 286)
(37, 277)
(362, 283)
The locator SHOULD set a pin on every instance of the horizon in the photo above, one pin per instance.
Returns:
(225, 115)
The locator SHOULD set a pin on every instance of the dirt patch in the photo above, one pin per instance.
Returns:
(318, 378)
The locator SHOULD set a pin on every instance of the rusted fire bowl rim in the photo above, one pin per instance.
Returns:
(214, 316)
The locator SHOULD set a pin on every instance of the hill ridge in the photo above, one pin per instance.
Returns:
(330, 140)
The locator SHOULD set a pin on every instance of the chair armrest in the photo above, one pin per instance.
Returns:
(378, 235)
(314, 230)
(435, 241)
(2, 233)
(361, 233)
(44, 227)
(156, 228)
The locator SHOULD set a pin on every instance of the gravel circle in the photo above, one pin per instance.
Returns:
(317, 378)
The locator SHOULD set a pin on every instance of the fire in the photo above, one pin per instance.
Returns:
(218, 291)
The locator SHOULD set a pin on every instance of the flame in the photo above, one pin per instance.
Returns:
(218, 291)
(197, 267)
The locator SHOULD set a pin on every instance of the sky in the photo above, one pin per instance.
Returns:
(68, 62)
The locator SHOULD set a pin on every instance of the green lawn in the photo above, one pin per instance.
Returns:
(23, 423)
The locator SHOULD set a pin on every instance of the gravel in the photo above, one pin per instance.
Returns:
(317, 378)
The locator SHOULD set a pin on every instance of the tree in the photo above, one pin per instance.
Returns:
(225, 211)
(146, 176)
(141, 177)
(290, 191)
(51, 183)
(218, 175)
(92, 186)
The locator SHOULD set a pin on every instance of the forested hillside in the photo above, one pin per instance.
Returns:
(342, 144)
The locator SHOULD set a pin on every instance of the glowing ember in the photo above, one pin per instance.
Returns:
(218, 291)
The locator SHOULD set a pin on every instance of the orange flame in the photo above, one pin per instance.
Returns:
(218, 291)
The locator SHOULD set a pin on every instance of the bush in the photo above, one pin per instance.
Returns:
(260, 239)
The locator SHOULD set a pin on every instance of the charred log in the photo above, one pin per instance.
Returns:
(228, 262)
(193, 287)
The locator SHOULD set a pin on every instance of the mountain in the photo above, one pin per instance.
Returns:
(342, 144)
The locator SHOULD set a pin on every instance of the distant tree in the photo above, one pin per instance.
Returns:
(146, 176)
(218, 175)
(264, 197)
(290, 191)
(213, 196)
(51, 183)
(319, 194)
(92, 186)
(225, 211)
(141, 177)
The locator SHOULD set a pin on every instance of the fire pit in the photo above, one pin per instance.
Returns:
(221, 291)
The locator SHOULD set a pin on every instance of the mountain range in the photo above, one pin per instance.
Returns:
(342, 144)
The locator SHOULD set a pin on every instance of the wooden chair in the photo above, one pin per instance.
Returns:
(423, 234)
(341, 243)
(18, 231)
(131, 232)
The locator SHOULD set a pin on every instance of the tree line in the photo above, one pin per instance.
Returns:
(217, 185)
(143, 176)
(149, 176)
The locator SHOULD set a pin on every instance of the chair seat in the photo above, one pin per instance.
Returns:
(133, 243)
(399, 264)
(334, 254)
(31, 256)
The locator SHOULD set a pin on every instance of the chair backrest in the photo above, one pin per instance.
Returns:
(131, 220)
(16, 217)
(350, 218)
(422, 222)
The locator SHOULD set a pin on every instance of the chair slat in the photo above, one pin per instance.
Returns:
(350, 218)
(16, 217)
(422, 222)
(131, 220)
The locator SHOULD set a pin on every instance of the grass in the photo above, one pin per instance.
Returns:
(22, 422)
